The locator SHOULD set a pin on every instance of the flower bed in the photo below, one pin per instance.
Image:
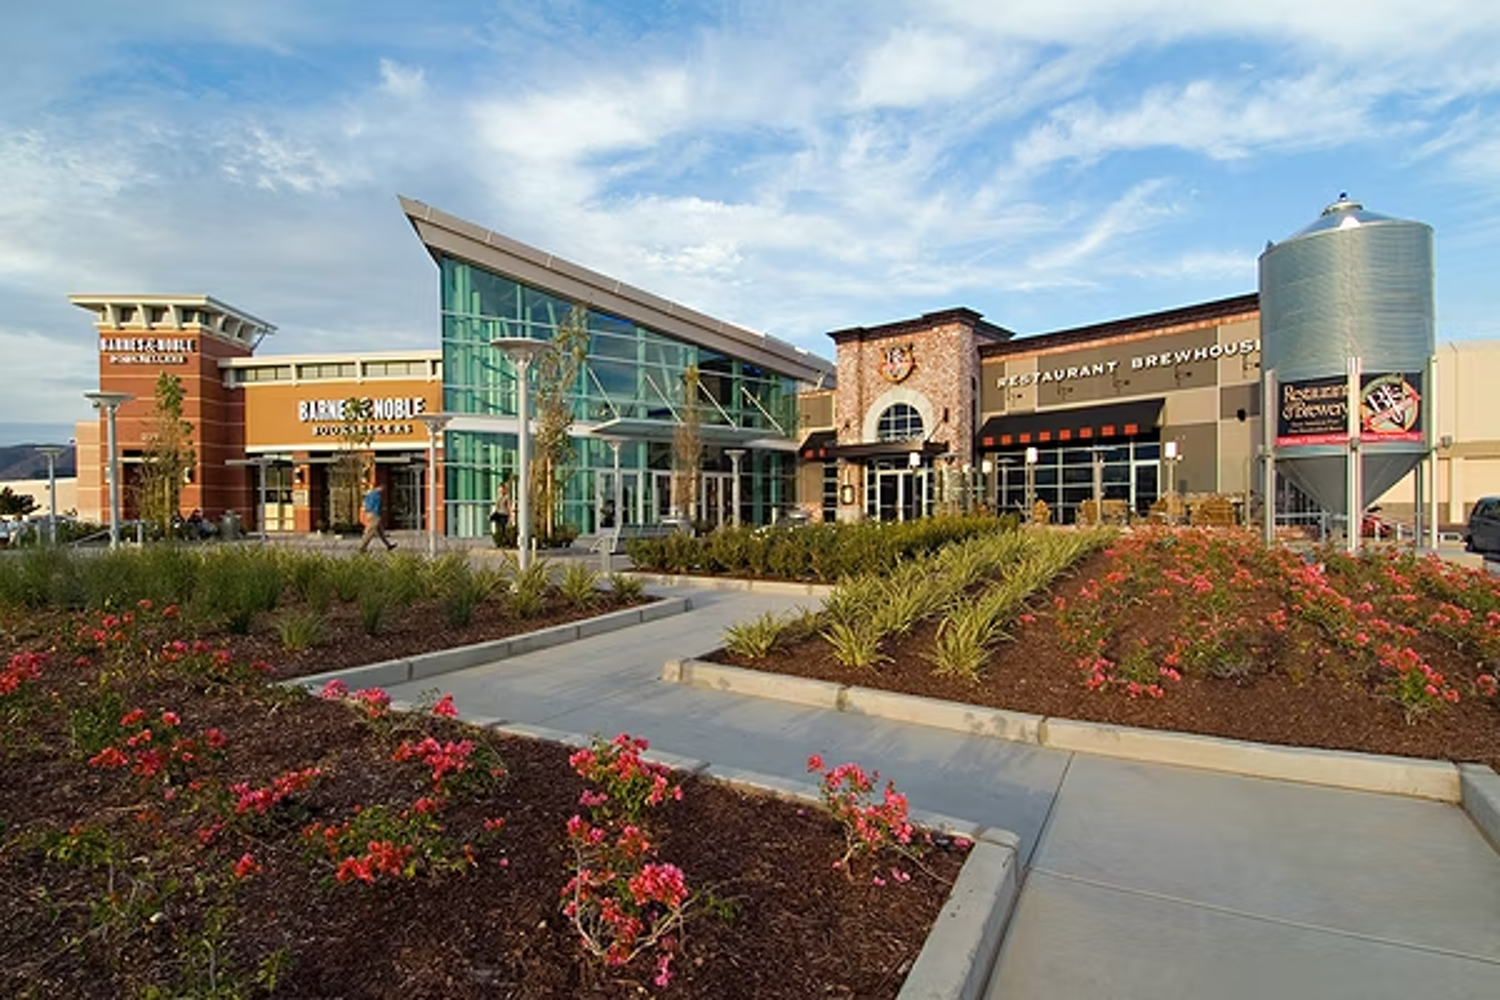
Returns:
(1211, 632)
(172, 824)
(304, 613)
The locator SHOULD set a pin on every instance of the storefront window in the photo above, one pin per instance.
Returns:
(631, 384)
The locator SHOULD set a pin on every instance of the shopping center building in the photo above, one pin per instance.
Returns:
(945, 409)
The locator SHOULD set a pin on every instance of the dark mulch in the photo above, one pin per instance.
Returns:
(419, 628)
(796, 928)
(1286, 699)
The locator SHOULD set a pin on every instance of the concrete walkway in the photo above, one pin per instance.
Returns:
(1143, 881)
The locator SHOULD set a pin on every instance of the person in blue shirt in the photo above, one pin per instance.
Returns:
(372, 509)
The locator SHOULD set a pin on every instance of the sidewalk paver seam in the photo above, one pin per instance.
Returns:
(1041, 833)
(1260, 917)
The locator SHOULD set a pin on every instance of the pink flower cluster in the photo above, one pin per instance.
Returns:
(620, 900)
(261, 800)
(627, 783)
(246, 866)
(22, 667)
(869, 827)
(155, 749)
(443, 758)
(374, 702)
(381, 857)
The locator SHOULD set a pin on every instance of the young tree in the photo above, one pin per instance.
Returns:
(15, 504)
(556, 373)
(354, 463)
(687, 448)
(168, 457)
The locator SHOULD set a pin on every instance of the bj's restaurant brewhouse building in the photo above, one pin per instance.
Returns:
(949, 405)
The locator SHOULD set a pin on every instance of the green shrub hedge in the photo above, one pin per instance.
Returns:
(819, 553)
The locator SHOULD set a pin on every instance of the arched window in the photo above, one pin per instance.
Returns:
(899, 422)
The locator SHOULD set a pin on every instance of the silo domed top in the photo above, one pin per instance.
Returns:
(1342, 214)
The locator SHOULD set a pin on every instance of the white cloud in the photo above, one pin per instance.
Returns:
(1132, 213)
(599, 116)
(273, 160)
(916, 66)
(1219, 120)
(402, 81)
(1379, 28)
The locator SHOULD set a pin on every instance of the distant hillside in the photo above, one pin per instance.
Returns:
(23, 461)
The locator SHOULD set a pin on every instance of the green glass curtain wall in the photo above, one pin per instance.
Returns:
(630, 373)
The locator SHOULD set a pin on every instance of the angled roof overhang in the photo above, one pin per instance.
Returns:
(445, 234)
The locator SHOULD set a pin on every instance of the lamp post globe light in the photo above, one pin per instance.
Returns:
(110, 403)
(521, 352)
(52, 453)
(435, 423)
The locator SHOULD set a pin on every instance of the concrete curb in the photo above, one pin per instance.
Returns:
(1481, 799)
(1428, 779)
(961, 949)
(445, 661)
(959, 954)
(734, 583)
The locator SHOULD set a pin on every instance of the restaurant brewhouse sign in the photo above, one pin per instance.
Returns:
(1316, 411)
(1138, 363)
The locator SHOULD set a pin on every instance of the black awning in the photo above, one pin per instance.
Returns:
(889, 449)
(819, 444)
(1086, 423)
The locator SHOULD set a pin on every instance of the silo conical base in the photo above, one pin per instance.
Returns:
(1322, 477)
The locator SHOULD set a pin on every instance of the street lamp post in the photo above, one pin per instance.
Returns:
(435, 423)
(735, 454)
(913, 462)
(986, 470)
(1098, 456)
(110, 403)
(1031, 458)
(52, 452)
(520, 352)
(1171, 453)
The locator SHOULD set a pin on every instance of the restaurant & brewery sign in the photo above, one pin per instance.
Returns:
(1316, 411)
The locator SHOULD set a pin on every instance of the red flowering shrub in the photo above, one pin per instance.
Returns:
(621, 902)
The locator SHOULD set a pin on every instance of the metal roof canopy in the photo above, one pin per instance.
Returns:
(714, 434)
(446, 234)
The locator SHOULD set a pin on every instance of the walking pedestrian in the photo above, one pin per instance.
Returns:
(373, 505)
(500, 515)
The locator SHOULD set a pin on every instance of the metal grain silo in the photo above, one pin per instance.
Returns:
(1353, 284)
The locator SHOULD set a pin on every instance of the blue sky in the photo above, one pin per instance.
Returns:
(792, 167)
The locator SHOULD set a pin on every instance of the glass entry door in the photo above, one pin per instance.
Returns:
(1145, 485)
(718, 498)
(614, 509)
(276, 502)
(900, 493)
(408, 505)
(661, 504)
